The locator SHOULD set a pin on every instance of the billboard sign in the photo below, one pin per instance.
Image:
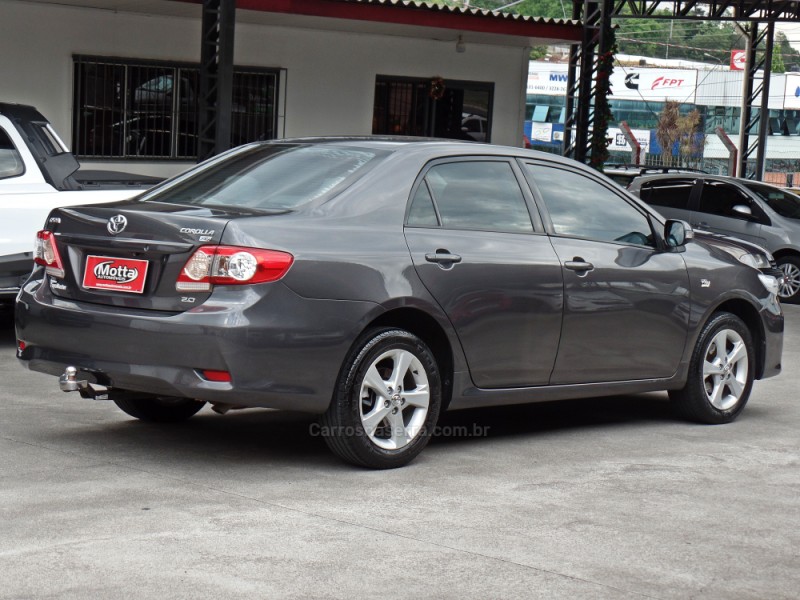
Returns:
(620, 144)
(550, 80)
(654, 84)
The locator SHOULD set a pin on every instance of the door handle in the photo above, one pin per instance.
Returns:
(579, 265)
(700, 224)
(443, 258)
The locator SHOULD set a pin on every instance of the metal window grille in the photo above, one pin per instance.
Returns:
(135, 109)
(408, 106)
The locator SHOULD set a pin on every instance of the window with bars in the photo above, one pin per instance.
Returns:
(433, 108)
(137, 109)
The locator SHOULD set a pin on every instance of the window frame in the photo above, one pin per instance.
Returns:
(176, 111)
(649, 217)
(758, 213)
(421, 97)
(538, 227)
(648, 186)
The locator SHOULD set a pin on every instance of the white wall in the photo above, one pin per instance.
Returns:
(330, 75)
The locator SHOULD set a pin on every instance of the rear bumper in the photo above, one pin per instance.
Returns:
(282, 351)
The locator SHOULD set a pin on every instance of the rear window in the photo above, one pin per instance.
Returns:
(669, 193)
(11, 164)
(272, 177)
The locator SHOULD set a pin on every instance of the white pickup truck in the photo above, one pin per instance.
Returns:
(38, 173)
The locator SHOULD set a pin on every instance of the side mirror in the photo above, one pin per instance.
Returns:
(677, 233)
(742, 210)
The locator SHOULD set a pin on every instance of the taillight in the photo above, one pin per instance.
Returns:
(46, 253)
(231, 265)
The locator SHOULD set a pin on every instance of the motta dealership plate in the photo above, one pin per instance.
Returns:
(117, 274)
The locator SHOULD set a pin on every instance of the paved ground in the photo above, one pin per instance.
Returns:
(609, 498)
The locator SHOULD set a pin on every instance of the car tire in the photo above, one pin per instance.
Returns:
(720, 372)
(789, 289)
(160, 409)
(386, 402)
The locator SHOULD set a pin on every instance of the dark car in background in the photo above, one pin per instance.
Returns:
(377, 282)
(751, 210)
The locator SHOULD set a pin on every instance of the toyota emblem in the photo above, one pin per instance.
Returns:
(116, 224)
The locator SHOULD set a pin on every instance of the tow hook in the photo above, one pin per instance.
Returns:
(69, 382)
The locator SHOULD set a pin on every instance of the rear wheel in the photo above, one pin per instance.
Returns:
(159, 409)
(789, 289)
(720, 372)
(386, 402)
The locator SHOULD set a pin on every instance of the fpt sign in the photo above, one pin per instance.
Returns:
(654, 84)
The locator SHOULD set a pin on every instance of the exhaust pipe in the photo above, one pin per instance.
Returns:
(69, 382)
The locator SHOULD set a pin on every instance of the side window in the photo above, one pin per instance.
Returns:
(482, 195)
(11, 164)
(719, 198)
(422, 213)
(672, 193)
(582, 207)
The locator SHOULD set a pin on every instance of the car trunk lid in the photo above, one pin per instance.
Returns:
(131, 254)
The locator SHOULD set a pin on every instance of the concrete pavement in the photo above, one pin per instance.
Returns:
(605, 498)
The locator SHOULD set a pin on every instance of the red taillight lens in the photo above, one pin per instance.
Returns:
(231, 265)
(218, 376)
(46, 253)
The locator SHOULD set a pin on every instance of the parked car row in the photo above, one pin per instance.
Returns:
(378, 282)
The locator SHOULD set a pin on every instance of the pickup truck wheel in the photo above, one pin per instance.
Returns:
(160, 409)
(386, 402)
(789, 289)
(720, 372)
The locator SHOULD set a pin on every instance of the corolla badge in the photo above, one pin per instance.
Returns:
(116, 224)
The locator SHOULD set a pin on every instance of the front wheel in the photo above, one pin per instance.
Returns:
(720, 372)
(160, 409)
(789, 288)
(386, 402)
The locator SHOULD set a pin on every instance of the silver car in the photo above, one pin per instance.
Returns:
(764, 214)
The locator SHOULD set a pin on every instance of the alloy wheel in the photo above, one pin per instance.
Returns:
(790, 284)
(725, 369)
(394, 399)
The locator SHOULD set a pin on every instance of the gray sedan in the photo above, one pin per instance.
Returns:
(378, 282)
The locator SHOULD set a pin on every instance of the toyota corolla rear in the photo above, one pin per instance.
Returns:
(183, 293)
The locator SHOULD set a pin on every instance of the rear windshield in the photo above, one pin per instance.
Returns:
(272, 176)
(786, 204)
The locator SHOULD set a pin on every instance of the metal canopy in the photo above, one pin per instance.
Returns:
(218, 30)
(597, 17)
(758, 11)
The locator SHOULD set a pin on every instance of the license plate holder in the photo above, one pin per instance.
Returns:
(115, 274)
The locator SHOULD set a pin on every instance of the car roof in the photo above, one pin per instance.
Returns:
(432, 146)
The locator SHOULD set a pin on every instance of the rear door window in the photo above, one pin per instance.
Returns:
(11, 164)
(669, 193)
(483, 195)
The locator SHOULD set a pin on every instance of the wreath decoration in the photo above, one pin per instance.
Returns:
(602, 108)
(437, 88)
